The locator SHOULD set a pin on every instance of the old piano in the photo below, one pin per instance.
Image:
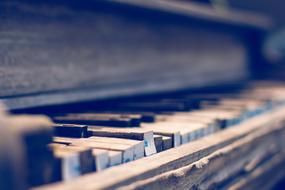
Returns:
(133, 94)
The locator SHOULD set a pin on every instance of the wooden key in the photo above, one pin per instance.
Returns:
(115, 158)
(127, 133)
(176, 135)
(73, 161)
(127, 150)
(87, 164)
(67, 164)
(224, 118)
(186, 117)
(101, 159)
(56, 145)
(138, 145)
(184, 128)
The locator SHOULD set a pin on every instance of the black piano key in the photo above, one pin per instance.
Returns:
(148, 117)
(152, 106)
(135, 119)
(166, 143)
(85, 119)
(70, 130)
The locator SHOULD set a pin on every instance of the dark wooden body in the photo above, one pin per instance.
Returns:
(54, 52)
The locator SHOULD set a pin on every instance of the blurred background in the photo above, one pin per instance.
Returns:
(273, 47)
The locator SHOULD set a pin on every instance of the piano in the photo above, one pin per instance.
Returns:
(132, 94)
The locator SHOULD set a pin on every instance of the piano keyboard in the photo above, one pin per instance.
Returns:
(78, 142)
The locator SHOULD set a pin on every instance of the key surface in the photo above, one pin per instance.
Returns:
(127, 133)
(138, 145)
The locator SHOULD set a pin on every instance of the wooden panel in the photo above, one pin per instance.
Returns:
(66, 51)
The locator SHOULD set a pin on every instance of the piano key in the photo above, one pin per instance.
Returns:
(176, 135)
(148, 117)
(158, 142)
(152, 106)
(115, 158)
(184, 128)
(186, 117)
(73, 161)
(68, 164)
(244, 110)
(198, 98)
(70, 130)
(83, 119)
(188, 104)
(138, 145)
(140, 116)
(101, 159)
(225, 118)
(55, 145)
(127, 133)
(166, 143)
(127, 150)
(87, 163)
(135, 119)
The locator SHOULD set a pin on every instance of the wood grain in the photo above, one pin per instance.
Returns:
(72, 51)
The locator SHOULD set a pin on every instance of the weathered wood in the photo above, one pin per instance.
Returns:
(76, 66)
(264, 177)
(185, 130)
(73, 161)
(184, 155)
(138, 145)
(222, 167)
(127, 150)
(176, 134)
